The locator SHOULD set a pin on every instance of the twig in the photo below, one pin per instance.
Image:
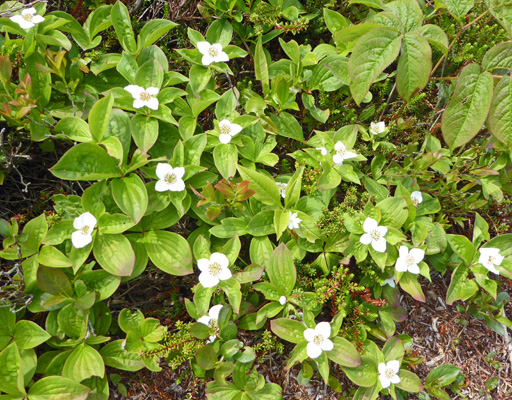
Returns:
(387, 102)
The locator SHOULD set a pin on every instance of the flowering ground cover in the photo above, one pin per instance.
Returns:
(255, 199)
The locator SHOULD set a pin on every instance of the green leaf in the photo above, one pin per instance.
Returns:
(144, 132)
(123, 27)
(409, 283)
(11, 375)
(365, 374)
(288, 126)
(206, 357)
(28, 335)
(370, 3)
(114, 356)
(262, 224)
(394, 212)
(498, 57)
(435, 36)
(54, 281)
(442, 375)
(264, 187)
(115, 254)
(169, 251)
(199, 78)
(99, 116)
(281, 270)
(462, 247)
(231, 288)
(83, 363)
(461, 288)
(409, 381)
(344, 353)
(500, 113)
(75, 129)
(131, 196)
(459, 8)
(86, 162)
(372, 54)
(260, 65)
(335, 21)
(150, 74)
(127, 67)
(468, 107)
(51, 257)
(408, 11)
(414, 65)
(288, 329)
(225, 157)
(57, 388)
(73, 321)
(152, 31)
(229, 228)
(281, 219)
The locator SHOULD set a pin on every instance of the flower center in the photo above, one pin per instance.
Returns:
(389, 373)
(226, 129)
(375, 235)
(213, 324)
(170, 178)
(491, 260)
(415, 202)
(145, 96)
(212, 51)
(341, 152)
(215, 269)
(27, 17)
(85, 230)
(409, 260)
(318, 340)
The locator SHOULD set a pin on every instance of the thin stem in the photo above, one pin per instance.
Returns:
(457, 37)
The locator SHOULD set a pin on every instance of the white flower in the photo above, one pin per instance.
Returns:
(318, 339)
(282, 188)
(212, 321)
(213, 270)
(390, 282)
(489, 257)
(143, 97)
(322, 150)
(409, 260)
(282, 300)
(170, 178)
(293, 222)
(341, 153)
(228, 130)
(85, 224)
(416, 198)
(388, 373)
(374, 235)
(211, 53)
(28, 18)
(377, 127)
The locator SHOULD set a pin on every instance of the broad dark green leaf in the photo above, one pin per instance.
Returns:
(468, 107)
(281, 270)
(115, 254)
(99, 116)
(459, 8)
(288, 329)
(131, 196)
(123, 27)
(372, 54)
(414, 65)
(86, 162)
(500, 113)
(169, 251)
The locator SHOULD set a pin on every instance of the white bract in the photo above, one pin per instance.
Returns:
(374, 234)
(282, 300)
(228, 130)
(212, 320)
(408, 260)
(416, 198)
(322, 150)
(489, 258)
(388, 373)
(143, 97)
(28, 18)
(293, 222)
(390, 282)
(342, 153)
(318, 339)
(377, 127)
(282, 188)
(213, 270)
(85, 224)
(170, 178)
(211, 53)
